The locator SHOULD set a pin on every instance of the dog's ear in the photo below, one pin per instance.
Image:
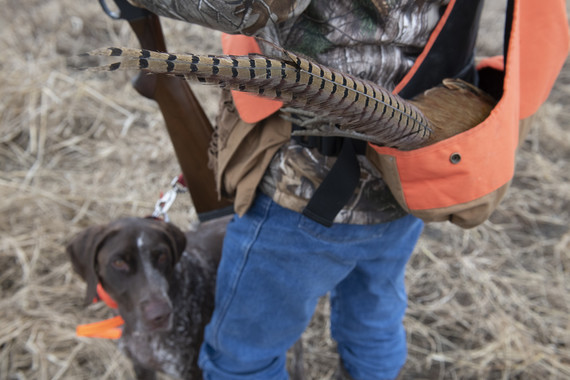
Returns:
(83, 254)
(178, 239)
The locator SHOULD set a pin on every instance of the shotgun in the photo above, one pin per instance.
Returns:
(188, 127)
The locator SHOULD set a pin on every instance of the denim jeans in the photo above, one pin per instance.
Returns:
(276, 264)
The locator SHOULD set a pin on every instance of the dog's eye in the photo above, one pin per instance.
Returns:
(120, 264)
(163, 258)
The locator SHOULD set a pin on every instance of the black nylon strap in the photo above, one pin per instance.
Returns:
(337, 188)
(214, 214)
(452, 54)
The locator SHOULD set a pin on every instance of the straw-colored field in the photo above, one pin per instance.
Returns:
(79, 148)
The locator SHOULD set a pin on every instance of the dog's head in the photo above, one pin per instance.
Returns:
(133, 259)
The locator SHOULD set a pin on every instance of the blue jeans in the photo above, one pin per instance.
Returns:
(276, 264)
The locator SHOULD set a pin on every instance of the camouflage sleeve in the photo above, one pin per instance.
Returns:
(246, 16)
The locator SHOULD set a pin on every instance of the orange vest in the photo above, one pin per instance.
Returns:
(538, 44)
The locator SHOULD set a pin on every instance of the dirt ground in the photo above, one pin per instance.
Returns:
(78, 149)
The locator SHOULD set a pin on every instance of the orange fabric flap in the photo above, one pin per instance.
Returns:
(107, 329)
(545, 43)
(429, 179)
(251, 108)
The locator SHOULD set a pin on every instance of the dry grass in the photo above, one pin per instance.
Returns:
(78, 149)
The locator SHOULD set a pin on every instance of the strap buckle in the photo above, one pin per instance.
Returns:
(177, 186)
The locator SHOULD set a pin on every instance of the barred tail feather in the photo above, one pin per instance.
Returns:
(297, 81)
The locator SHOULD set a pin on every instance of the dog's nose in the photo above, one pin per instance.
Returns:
(156, 314)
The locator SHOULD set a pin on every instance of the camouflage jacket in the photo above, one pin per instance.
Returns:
(377, 40)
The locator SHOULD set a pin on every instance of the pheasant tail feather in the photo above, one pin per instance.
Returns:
(350, 102)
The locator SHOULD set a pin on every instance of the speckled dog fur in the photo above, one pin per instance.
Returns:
(163, 282)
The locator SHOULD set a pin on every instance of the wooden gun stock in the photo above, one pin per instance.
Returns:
(189, 128)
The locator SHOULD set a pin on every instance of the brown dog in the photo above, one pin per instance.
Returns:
(163, 282)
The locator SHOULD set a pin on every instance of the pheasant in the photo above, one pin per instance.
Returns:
(343, 104)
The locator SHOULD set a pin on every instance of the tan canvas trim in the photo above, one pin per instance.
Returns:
(387, 166)
(465, 215)
(524, 127)
(244, 151)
